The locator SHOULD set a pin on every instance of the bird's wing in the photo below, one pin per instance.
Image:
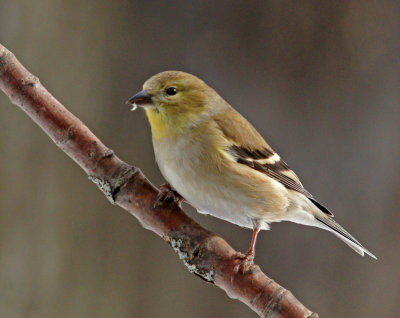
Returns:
(248, 147)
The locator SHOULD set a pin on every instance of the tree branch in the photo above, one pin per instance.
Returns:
(204, 253)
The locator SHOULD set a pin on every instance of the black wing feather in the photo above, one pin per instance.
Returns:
(248, 157)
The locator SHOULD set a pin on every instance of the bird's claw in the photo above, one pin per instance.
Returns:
(245, 264)
(168, 193)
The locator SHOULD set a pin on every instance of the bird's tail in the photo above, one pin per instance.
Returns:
(340, 232)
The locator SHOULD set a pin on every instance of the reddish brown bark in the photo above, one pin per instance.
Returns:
(204, 253)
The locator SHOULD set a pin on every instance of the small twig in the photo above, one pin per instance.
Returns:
(204, 253)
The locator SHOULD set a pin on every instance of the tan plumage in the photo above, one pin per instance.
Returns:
(215, 159)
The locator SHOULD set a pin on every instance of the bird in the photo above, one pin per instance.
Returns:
(214, 159)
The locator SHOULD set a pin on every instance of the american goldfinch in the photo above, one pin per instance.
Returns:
(218, 162)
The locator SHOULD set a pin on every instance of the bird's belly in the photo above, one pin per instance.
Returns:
(210, 193)
(209, 197)
(214, 187)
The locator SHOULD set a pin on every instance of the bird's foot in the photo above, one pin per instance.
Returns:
(246, 262)
(168, 193)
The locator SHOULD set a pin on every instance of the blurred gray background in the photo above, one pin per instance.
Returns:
(319, 79)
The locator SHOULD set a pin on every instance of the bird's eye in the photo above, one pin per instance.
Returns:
(171, 91)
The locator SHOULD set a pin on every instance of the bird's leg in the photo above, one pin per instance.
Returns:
(247, 260)
(167, 192)
(251, 253)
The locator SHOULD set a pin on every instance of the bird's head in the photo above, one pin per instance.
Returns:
(175, 99)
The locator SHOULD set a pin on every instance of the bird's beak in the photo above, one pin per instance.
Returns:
(143, 98)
